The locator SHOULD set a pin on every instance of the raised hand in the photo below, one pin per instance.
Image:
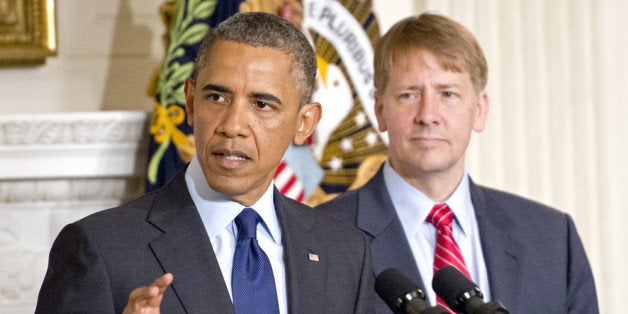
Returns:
(146, 300)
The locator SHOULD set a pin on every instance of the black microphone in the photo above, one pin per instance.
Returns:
(402, 295)
(461, 294)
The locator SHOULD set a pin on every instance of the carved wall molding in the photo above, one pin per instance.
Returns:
(67, 190)
(72, 145)
(72, 128)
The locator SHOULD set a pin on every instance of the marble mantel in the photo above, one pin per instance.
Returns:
(54, 169)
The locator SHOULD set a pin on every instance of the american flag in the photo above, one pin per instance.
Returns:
(288, 183)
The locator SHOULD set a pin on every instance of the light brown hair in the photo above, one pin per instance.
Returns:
(453, 44)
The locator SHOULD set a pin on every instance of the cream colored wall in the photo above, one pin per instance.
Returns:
(557, 126)
(108, 51)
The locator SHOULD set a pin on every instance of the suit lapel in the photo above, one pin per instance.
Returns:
(184, 250)
(304, 282)
(378, 218)
(502, 252)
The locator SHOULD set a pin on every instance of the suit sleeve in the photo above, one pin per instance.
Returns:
(76, 279)
(582, 297)
(366, 293)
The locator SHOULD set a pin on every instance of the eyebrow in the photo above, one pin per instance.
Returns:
(266, 97)
(218, 88)
(440, 86)
(448, 85)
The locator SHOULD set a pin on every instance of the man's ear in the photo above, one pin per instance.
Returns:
(189, 87)
(481, 113)
(309, 116)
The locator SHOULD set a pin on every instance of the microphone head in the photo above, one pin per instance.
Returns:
(396, 289)
(454, 287)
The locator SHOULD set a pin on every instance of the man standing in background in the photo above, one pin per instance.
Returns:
(422, 211)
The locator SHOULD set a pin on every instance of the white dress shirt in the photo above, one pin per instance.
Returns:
(413, 206)
(218, 212)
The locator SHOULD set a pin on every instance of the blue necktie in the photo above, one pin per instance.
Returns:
(252, 280)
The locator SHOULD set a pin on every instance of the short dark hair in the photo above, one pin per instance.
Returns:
(266, 30)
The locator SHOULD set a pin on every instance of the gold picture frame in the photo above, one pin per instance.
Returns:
(27, 31)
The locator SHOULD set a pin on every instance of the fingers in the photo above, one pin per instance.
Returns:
(163, 282)
(148, 299)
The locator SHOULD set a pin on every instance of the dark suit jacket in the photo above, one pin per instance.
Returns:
(534, 257)
(97, 261)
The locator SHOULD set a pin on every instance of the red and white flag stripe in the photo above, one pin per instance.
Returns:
(287, 182)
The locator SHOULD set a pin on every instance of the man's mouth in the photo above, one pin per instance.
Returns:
(231, 155)
(234, 157)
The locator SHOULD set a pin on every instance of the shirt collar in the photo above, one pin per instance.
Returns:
(412, 205)
(218, 210)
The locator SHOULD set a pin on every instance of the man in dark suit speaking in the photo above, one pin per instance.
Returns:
(219, 237)
(421, 210)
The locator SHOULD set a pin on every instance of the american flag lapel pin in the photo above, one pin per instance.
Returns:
(312, 257)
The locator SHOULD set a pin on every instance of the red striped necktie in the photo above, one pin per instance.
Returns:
(447, 251)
